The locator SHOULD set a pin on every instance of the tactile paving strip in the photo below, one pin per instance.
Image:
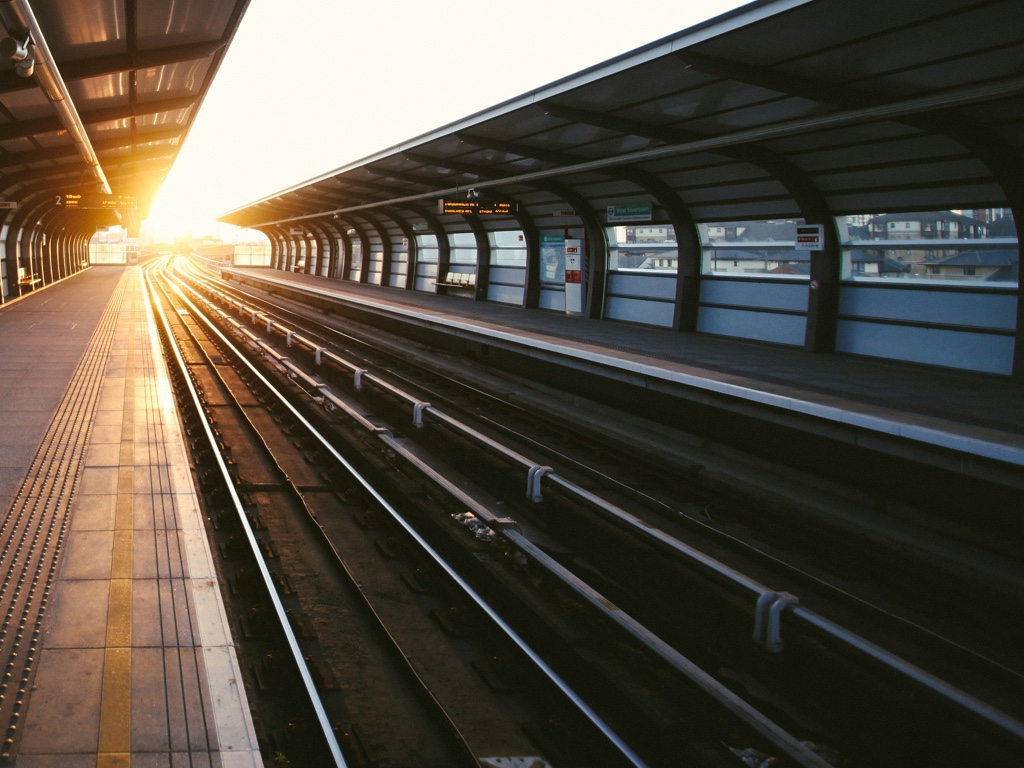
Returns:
(34, 528)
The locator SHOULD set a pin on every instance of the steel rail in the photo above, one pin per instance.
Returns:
(293, 644)
(766, 597)
(624, 749)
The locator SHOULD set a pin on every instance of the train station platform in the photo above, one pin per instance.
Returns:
(116, 646)
(956, 413)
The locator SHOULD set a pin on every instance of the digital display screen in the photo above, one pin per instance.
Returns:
(95, 201)
(499, 207)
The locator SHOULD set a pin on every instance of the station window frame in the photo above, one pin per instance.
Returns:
(760, 248)
(648, 248)
(463, 248)
(426, 248)
(950, 248)
(508, 248)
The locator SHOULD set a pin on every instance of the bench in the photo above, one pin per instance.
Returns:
(466, 280)
(26, 280)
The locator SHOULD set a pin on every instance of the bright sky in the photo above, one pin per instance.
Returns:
(312, 85)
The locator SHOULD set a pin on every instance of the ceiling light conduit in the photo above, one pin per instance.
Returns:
(29, 51)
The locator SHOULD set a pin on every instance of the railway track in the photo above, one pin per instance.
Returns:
(607, 597)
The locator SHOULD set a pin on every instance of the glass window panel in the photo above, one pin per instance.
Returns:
(508, 248)
(649, 247)
(511, 238)
(933, 247)
(426, 248)
(764, 248)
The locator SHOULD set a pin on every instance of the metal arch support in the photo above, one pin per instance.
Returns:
(531, 234)
(364, 252)
(19, 235)
(1007, 169)
(284, 249)
(823, 294)
(387, 250)
(53, 268)
(300, 247)
(345, 260)
(266, 232)
(823, 300)
(295, 246)
(394, 213)
(440, 234)
(483, 256)
(277, 252)
(326, 248)
(340, 246)
(688, 274)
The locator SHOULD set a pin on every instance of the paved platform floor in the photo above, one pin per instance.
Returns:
(123, 653)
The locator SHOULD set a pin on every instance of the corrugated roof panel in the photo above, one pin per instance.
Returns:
(77, 29)
(109, 129)
(16, 146)
(823, 26)
(968, 195)
(51, 139)
(645, 83)
(173, 117)
(101, 92)
(903, 175)
(27, 104)
(184, 78)
(183, 21)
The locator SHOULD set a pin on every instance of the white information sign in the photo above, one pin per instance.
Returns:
(809, 237)
(573, 277)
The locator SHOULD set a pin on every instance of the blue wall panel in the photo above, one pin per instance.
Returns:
(640, 311)
(551, 299)
(767, 295)
(746, 324)
(956, 349)
(632, 284)
(505, 294)
(508, 275)
(969, 308)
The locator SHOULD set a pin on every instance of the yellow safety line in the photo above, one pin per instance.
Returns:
(116, 698)
(115, 702)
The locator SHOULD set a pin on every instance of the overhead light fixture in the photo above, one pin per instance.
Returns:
(26, 67)
(18, 52)
(13, 49)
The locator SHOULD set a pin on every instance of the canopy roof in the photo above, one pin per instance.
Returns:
(134, 72)
(779, 109)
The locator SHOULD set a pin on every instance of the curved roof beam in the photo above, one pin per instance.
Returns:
(896, 110)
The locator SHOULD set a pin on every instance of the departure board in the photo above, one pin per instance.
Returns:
(476, 206)
(86, 201)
